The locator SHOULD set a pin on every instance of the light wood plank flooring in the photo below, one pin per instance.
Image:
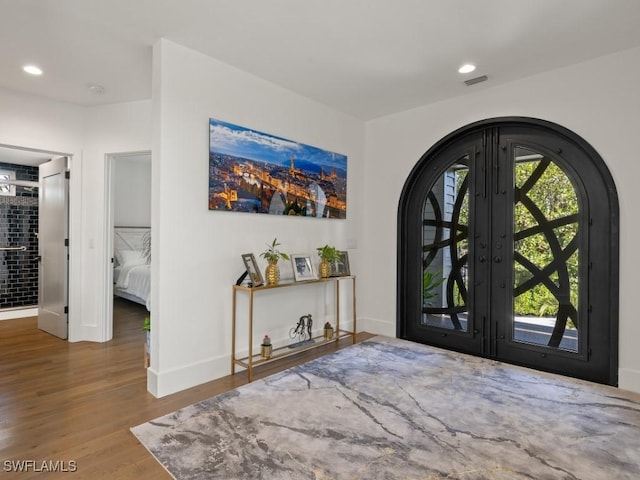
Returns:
(63, 402)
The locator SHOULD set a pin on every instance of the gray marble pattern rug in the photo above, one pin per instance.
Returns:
(392, 409)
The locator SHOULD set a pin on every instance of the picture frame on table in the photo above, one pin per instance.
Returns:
(341, 267)
(250, 264)
(302, 267)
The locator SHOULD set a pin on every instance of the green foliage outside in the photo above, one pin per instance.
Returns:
(555, 196)
(430, 282)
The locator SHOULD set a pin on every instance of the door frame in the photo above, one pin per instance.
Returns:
(596, 163)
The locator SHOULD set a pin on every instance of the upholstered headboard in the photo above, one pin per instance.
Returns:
(132, 238)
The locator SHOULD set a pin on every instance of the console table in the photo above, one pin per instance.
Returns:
(253, 359)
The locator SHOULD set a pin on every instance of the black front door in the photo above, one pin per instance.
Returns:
(508, 249)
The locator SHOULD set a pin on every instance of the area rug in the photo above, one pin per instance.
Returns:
(392, 409)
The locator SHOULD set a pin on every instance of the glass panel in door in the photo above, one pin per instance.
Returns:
(445, 245)
(546, 256)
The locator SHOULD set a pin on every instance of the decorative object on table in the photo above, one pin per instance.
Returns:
(252, 269)
(248, 167)
(266, 347)
(302, 267)
(328, 331)
(272, 255)
(328, 255)
(302, 331)
(341, 267)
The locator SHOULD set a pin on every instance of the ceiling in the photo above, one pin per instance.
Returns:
(367, 58)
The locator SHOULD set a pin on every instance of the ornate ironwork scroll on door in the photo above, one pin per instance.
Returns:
(546, 253)
(445, 249)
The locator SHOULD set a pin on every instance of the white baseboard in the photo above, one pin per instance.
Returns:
(377, 326)
(18, 313)
(629, 379)
(160, 384)
(165, 383)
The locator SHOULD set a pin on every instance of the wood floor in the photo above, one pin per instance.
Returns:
(73, 403)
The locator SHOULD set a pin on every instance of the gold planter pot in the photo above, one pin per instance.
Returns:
(325, 269)
(272, 273)
(328, 333)
(265, 351)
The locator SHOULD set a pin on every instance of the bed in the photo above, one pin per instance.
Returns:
(132, 269)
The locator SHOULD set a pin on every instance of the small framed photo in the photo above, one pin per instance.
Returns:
(251, 266)
(302, 267)
(341, 267)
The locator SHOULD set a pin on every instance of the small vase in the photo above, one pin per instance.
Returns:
(325, 269)
(328, 333)
(272, 273)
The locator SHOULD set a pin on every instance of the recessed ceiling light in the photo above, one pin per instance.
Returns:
(32, 69)
(467, 68)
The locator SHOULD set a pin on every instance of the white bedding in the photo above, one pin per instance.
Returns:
(132, 273)
(134, 280)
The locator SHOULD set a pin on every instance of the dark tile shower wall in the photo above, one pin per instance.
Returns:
(19, 226)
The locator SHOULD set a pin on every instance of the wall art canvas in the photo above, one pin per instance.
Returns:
(254, 172)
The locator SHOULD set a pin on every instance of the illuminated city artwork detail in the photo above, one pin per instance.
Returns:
(254, 172)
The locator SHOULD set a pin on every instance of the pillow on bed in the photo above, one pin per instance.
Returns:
(130, 257)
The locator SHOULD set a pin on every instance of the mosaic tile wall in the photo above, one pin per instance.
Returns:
(18, 227)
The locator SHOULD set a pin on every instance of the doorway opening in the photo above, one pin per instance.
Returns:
(128, 241)
(508, 249)
(33, 257)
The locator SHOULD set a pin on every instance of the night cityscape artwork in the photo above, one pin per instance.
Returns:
(254, 172)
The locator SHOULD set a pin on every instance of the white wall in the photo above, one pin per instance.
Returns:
(599, 100)
(115, 128)
(132, 191)
(196, 252)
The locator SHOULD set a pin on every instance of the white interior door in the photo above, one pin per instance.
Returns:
(53, 240)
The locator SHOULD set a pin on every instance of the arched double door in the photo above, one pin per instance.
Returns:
(508, 249)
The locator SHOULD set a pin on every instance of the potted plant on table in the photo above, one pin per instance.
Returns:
(328, 331)
(272, 255)
(266, 348)
(328, 255)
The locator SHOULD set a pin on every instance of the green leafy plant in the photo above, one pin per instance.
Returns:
(329, 254)
(272, 253)
(431, 281)
(146, 326)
